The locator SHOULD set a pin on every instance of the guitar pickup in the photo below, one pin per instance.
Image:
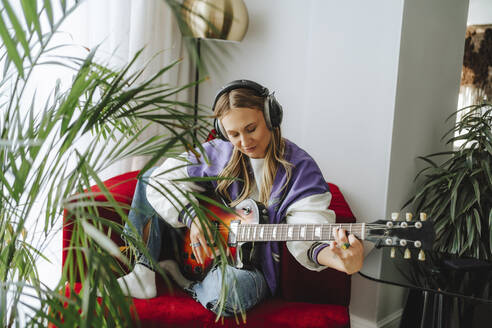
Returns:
(232, 238)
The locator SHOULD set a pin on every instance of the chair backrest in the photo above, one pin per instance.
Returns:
(122, 187)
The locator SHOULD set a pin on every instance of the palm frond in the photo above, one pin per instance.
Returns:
(51, 156)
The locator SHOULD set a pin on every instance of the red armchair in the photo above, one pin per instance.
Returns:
(305, 299)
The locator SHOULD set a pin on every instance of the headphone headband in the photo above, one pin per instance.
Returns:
(241, 84)
(272, 110)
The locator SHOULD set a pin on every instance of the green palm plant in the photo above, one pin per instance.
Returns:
(456, 193)
(44, 168)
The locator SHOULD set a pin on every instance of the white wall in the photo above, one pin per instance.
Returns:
(348, 113)
(334, 79)
(480, 12)
(431, 54)
(349, 85)
(273, 53)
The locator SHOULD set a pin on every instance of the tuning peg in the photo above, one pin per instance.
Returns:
(395, 216)
(423, 216)
(408, 217)
(421, 255)
(407, 255)
(393, 253)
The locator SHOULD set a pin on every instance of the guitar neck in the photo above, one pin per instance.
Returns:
(296, 232)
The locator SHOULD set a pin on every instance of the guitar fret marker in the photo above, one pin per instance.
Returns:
(289, 232)
(317, 231)
(303, 232)
(261, 232)
(274, 232)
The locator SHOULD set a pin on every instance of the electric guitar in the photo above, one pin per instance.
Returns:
(245, 226)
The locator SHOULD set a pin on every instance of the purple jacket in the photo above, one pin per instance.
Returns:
(306, 180)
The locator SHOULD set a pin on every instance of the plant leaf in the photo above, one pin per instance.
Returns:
(11, 47)
(478, 223)
(454, 195)
(490, 229)
(104, 241)
(424, 158)
(486, 168)
(19, 32)
(476, 189)
(49, 11)
(469, 159)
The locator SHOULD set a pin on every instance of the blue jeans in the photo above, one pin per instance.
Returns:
(244, 288)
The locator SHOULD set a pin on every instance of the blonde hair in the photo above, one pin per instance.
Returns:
(238, 165)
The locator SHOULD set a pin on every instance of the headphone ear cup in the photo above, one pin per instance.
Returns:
(267, 112)
(221, 134)
(276, 112)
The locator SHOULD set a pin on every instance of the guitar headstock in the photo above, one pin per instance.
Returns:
(408, 233)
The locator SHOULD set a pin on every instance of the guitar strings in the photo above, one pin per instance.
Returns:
(281, 231)
(359, 226)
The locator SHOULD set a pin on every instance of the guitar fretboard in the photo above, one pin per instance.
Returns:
(295, 232)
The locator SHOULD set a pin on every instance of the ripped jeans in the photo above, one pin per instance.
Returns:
(244, 288)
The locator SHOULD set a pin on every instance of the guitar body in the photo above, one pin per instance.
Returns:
(246, 212)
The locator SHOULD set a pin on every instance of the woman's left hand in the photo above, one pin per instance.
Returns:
(345, 254)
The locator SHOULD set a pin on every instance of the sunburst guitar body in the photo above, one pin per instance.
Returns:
(224, 222)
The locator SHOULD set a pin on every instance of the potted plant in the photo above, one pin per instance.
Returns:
(456, 191)
(44, 168)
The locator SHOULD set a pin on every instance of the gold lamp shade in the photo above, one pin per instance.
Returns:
(216, 19)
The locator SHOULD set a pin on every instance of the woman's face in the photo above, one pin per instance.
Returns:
(247, 130)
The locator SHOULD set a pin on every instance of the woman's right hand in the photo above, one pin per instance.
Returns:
(197, 235)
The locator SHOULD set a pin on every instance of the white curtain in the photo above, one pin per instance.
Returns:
(121, 28)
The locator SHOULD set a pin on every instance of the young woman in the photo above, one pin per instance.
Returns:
(272, 170)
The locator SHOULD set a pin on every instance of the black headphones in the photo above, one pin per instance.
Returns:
(272, 111)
